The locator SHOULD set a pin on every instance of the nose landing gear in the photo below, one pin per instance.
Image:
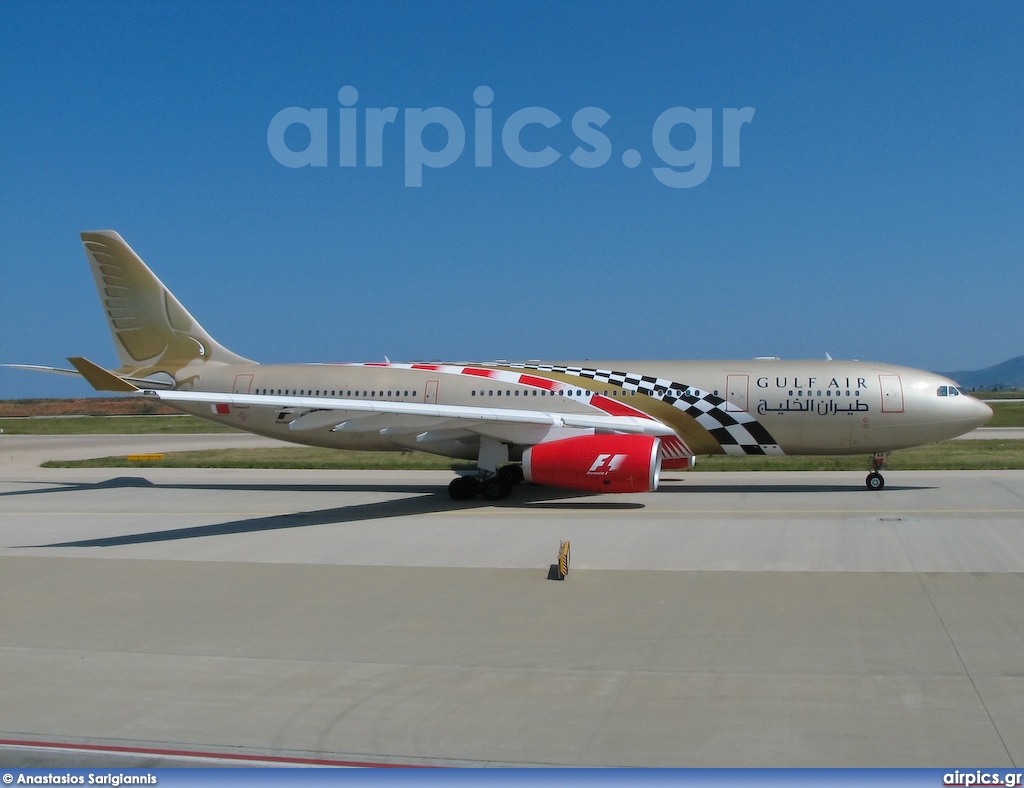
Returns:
(875, 480)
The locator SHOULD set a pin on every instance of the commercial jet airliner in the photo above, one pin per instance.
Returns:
(597, 427)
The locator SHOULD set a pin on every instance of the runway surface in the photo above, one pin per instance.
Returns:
(730, 619)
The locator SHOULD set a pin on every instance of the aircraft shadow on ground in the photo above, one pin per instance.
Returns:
(537, 496)
(423, 499)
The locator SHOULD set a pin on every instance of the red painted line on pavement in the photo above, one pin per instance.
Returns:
(228, 756)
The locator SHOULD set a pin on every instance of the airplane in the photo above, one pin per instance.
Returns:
(607, 427)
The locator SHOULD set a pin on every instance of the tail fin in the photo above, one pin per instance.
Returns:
(152, 331)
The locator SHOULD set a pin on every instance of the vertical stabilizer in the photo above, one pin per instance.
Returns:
(152, 331)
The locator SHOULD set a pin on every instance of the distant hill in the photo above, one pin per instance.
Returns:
(1007, 375)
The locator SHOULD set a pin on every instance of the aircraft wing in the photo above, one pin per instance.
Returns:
(358, 415)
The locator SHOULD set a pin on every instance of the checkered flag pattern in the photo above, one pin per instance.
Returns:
(738, 432)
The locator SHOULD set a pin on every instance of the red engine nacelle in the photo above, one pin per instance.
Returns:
(596, 463)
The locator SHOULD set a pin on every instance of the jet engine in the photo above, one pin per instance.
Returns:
(596, 463)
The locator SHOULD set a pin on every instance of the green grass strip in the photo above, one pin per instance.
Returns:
(1007, 414)
(304, 457)
(112, 425)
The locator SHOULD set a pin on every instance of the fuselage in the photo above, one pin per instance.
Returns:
(761, 406)
(588, 426)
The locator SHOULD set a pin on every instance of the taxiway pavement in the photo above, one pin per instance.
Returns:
(730, 619)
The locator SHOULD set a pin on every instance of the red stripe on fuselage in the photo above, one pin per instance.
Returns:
(540, 383)
(615, 408)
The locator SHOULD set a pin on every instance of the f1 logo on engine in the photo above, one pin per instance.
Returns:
(606, 464)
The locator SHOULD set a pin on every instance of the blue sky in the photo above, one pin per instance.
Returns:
(876, 212)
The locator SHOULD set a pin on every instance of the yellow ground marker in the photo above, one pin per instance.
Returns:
(563, 560)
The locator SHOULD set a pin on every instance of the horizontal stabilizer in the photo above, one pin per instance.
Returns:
(99, 378)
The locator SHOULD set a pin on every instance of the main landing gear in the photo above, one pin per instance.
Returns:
(493, 488)
(495, 477)
(875, 480)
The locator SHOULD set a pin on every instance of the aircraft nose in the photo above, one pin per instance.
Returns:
(980, 412)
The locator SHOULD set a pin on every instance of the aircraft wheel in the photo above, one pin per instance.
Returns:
(513, 474)
(875, 481)
(496, 488)
(463, 488)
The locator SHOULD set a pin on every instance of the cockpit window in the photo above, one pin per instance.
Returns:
(943, 391)
(954, 391)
